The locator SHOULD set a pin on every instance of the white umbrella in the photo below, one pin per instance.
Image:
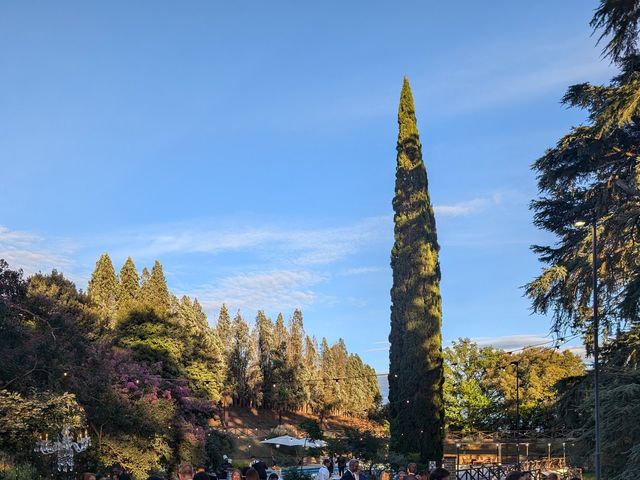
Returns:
(286, 440)
(289, 441)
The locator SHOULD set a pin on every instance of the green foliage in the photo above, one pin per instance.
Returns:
(480, 386)
(129, 288)
(416, 371)
(103, 287)
(146, 385)
(217, 445)
(294, 473)
(140, 455)
(312, 429)
(468, 390)
(618, 19)
(620, 408)
(154, 291)
(23, 471)
(24, 419)
(363, 444)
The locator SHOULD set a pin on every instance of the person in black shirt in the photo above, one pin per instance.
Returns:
(201, 474)
(261, 468)
(342, 462)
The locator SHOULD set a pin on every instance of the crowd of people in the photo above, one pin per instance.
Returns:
(346, 470)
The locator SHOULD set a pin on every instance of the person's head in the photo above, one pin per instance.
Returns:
(354, 464)
(553, 476)
(412, 468)
(516, 475)
(273, 476)
(236, 475)
(326, 462)
(252, 474)
(185, 471)
(88, 476)
(199, 469)
(439, 474)
(402, 474)
(424, 475)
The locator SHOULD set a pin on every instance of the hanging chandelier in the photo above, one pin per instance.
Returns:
(65, 447)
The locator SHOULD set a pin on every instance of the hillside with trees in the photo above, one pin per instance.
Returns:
(147, 373)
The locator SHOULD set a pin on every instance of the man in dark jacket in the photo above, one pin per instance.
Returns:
(352, 469)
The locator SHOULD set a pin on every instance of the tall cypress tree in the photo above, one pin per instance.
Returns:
(103, 287)
(416, 368)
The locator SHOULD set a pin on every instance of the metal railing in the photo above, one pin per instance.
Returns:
(536, 468)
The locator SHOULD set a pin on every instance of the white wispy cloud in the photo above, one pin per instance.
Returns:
(512, 342)
(467, 207)
(382, 346)
(302, 246)
(517, 342)
(33, 253)
(364, 270)
(277, 289)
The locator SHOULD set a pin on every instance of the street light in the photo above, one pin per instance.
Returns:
(457, 456)
(564, 453)
(499, 445)
(596, 341)
(549, 451)
(527, 445)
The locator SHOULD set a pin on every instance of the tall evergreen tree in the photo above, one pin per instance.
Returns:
(416, 367)
(129, 291)
(280, 334)
(144, 277)
(295, 344)
(155, 293)
(264, 328)
(223, 328)
(103, 287)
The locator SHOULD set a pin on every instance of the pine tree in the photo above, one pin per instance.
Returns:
(295, 344)
(264, 329)
(223, 328)
(280, 334)
(144, 277)
(154, 292)
(416, 368)
(103, 287)
(129, 291)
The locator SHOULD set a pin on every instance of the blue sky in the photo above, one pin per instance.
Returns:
(250, 146)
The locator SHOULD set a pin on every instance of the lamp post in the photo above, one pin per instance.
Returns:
(549, 451)
(564, 453)
(457, 456)
(499, 445)
(596, 334)
(517, 365)
(527, 450)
